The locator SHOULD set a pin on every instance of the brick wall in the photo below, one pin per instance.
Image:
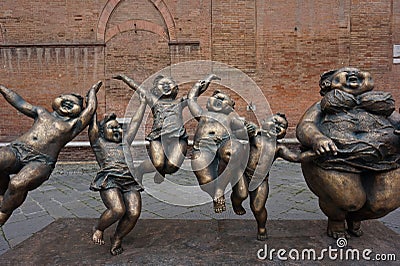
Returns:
(53, 47)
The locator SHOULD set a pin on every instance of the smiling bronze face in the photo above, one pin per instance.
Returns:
(281, 125)
(166, 88)
(220, 102)
(350, 80)
(67, 105)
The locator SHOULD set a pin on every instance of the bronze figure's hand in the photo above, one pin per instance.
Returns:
(325, 146)
(212, 77)
(119, 77)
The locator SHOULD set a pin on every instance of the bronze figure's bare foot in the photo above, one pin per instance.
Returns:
(354, 228)
(219, 204)
(116, 247)
(238, 209)
(337, 235)
(337, 229)
(158, 178)
(262, 234)
(98, 237)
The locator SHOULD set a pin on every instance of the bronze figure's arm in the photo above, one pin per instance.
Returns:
(128, 81)
(394, 118)
(136, 87)
(285, 153)
(135, 121)
(93, 130)
(238, 127)
(18, 102)
(193, 106)
(91, 105)
(205, 83)
(310, 136)
(198, 88)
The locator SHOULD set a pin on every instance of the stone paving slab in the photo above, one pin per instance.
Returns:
(205, 242)
(64, 196)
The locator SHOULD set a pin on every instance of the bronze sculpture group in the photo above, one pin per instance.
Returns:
(350, 157)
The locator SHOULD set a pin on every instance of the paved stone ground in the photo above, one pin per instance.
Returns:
(206, 242)
(66, 195)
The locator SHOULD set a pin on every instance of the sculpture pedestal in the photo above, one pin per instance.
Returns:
(185, 242)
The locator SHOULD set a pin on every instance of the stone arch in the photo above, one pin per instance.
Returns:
(136, 25)
(169, 34)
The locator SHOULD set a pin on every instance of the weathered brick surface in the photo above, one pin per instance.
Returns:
(53, 47)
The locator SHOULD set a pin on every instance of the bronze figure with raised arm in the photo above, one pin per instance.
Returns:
(31, 157)
(216, 142)
(264, 150)
(118, 187)
(168, 138)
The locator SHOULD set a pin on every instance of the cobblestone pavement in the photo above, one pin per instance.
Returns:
(66, 194)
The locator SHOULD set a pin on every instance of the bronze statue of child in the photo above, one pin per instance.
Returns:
(32, 156)
(264, 150)
(168, 138)
(119, 190)
(216, 142)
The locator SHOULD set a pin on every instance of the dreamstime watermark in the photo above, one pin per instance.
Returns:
(235, 83)
(338, 253)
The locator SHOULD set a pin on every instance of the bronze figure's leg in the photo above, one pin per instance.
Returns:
(383, 194)
(7, 163)
(205, 167)
(382, 198)
(258, 199)
(221, 182)
(231, 153)
(239, 194)
(133, 204)
(4, 180)
(29, 177)
(144, 168)
(338, 192)
(157, 157)
(354, 227)
(166, 156)
(114, 202)
(175, 153)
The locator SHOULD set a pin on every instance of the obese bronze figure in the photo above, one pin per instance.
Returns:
(353, 130)
(168, 138)
(32, 156)
(118, 187)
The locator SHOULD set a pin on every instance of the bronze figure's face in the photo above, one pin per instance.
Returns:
(112, 131)
(281, 125)
(67, 105)
(166, 88)
(276, 125)
(350, 80)
(220, 102)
